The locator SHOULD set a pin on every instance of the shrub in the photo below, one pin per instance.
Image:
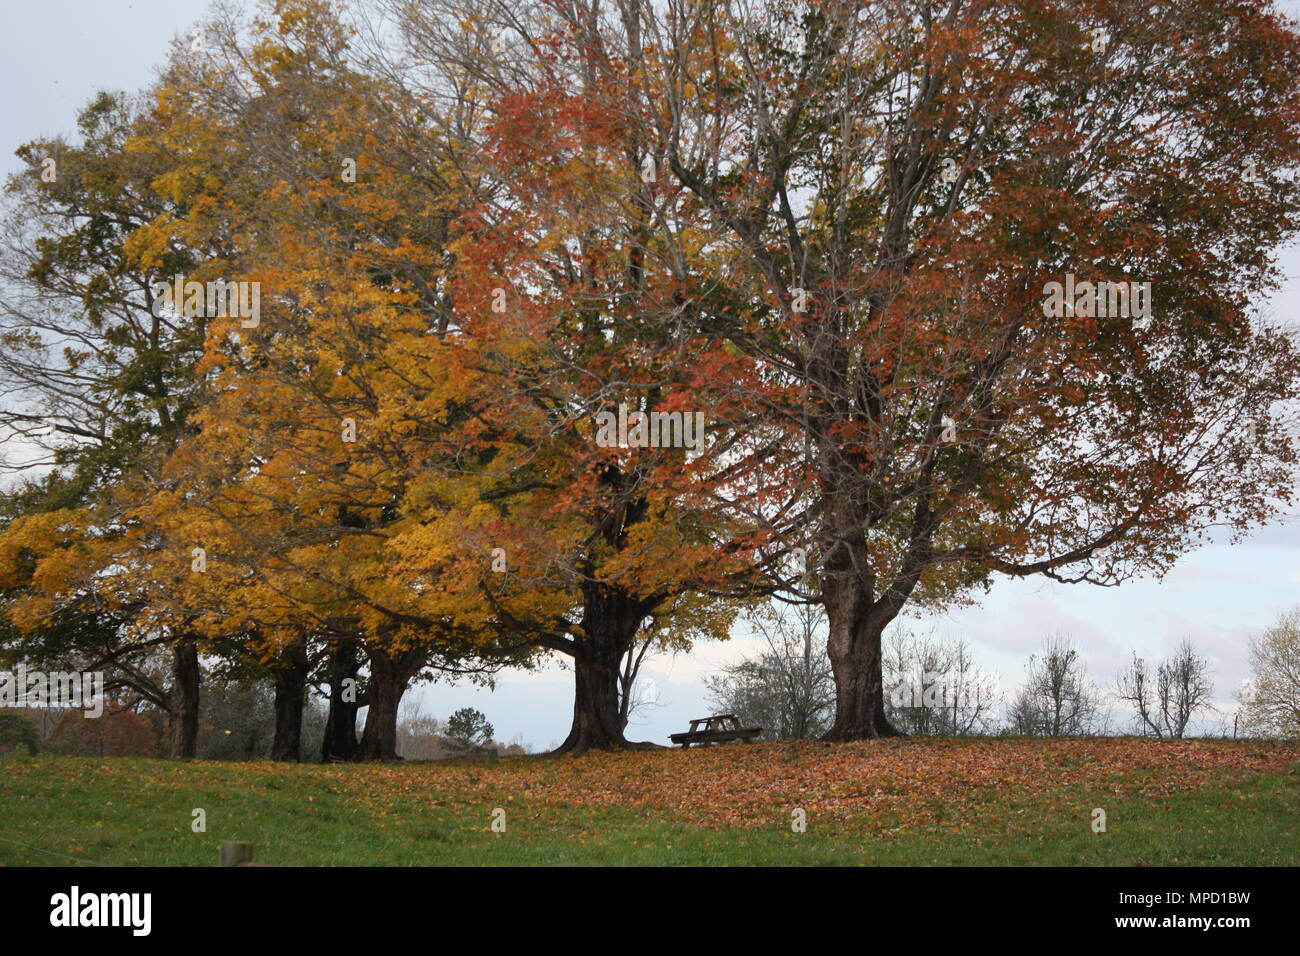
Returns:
(17, 731)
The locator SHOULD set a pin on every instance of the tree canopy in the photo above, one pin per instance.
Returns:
(534, 330)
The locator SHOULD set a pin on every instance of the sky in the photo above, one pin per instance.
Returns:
(54, 54)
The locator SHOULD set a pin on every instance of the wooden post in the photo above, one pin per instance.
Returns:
(234, 853)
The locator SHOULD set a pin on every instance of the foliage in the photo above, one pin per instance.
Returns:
(469, 728)
(115, 733)
(1270, 703)
(840, 260)
(17, 731)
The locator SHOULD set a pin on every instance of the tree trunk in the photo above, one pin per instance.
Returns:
(183, 699)
(389, 676)
(853, 646)
(341, 725)
(610, 622)
(290, 676)
(379, 738)
(597, 723)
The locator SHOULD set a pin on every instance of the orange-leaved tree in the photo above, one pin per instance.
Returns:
(1009, 254)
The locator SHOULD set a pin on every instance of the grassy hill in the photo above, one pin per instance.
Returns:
(917, 801)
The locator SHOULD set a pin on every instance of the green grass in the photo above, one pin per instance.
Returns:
(125, 811)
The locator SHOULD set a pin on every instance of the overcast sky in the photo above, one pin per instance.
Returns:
(54, 54)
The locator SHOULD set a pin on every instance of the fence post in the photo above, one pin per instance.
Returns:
(234, 853)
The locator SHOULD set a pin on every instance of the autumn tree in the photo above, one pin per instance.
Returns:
(307, 453)
(1003, 257)
(908, 293)
(98, 387)
(540, 517)
(1270, 701)
(203, 151)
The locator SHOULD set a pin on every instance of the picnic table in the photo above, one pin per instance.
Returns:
(717, 729)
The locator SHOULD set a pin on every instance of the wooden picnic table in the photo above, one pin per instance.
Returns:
(717, 729)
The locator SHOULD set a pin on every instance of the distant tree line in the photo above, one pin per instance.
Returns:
(934, 687)
(237, 721)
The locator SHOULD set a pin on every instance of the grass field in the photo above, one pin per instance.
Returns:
(920, 801)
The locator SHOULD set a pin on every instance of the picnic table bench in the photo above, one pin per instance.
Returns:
(717, 729)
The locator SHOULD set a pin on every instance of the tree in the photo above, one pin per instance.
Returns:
(562, 309)
(339, 684)
(469, 728)
(420, 737)
(1166, 701)
(843, 232)
(289, 679)
(787, 689)
(935, 687)
(1057, 699)
(908, 187)
(1270, 702)
(97, 383)
(634, 695)
(294, 523)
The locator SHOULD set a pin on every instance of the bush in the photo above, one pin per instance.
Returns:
(17, 731)
(121, 734)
